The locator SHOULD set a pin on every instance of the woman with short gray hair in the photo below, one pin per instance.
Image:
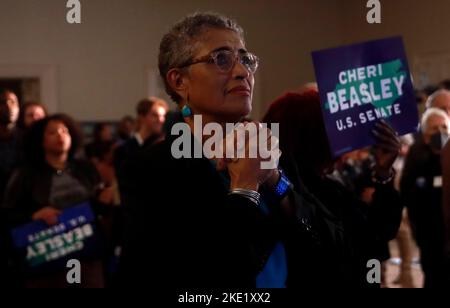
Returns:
(178, 46)
(224, 222)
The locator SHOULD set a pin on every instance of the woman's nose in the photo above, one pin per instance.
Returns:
(240, 71)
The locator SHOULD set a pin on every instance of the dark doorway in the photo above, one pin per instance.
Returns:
(26, 89)
(14, 85)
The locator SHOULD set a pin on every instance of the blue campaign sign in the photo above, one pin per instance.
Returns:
(48, 246)
(361, 84)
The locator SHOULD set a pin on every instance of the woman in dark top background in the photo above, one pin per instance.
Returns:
(51, 181)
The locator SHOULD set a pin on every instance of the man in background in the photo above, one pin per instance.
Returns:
(446, 174)
(151, 115)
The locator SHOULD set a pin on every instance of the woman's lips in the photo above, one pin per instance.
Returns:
(242, 91)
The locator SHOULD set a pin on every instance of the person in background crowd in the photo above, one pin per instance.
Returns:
(126, 129)
(151, 115)
(421, 188)
(353, 170)
(10, 158)
(366, 228)
(102, 134)
(440, 99)
(30, 113)
(51, 181)
(428, 90)
(421, 100)
(422, 96)
(446, 188)
(404, 237)
(445, 84)
(309, 86)
(112, 224)
(352, 166)
(105, 168)
(10, 137)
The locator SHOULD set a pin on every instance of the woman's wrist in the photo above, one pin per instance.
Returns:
(249, 194)
(273, 180)
(244, 184)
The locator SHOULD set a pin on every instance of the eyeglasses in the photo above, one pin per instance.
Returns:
(225, 60)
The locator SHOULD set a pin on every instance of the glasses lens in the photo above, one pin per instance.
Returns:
(249, 61)
(224, 60)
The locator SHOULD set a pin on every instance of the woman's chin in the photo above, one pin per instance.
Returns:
(245, 109)
(238, 115)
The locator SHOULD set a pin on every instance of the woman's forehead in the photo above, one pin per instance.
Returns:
(213, 39)
(55, 123)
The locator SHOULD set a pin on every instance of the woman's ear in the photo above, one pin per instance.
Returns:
(177, 82)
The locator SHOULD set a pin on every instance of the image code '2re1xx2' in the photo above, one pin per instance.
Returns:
(361, 84)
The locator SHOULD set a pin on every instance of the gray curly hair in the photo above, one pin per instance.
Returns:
(179, 44)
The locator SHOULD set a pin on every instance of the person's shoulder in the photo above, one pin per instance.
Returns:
(150, 166)
(419, 152)
(24, 174)
(416, 146)
(160, 151)
(132, 142)
(126, 146)
(22, 171)
(153, 159)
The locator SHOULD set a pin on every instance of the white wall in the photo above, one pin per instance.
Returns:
(422, 24)
(101, 65)
(100, 68)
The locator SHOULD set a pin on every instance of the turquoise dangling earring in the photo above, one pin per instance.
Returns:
(186, 111)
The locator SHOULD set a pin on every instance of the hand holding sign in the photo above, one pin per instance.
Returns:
(48, 214)
(360, 85)
(71, 234)
(387, 148)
